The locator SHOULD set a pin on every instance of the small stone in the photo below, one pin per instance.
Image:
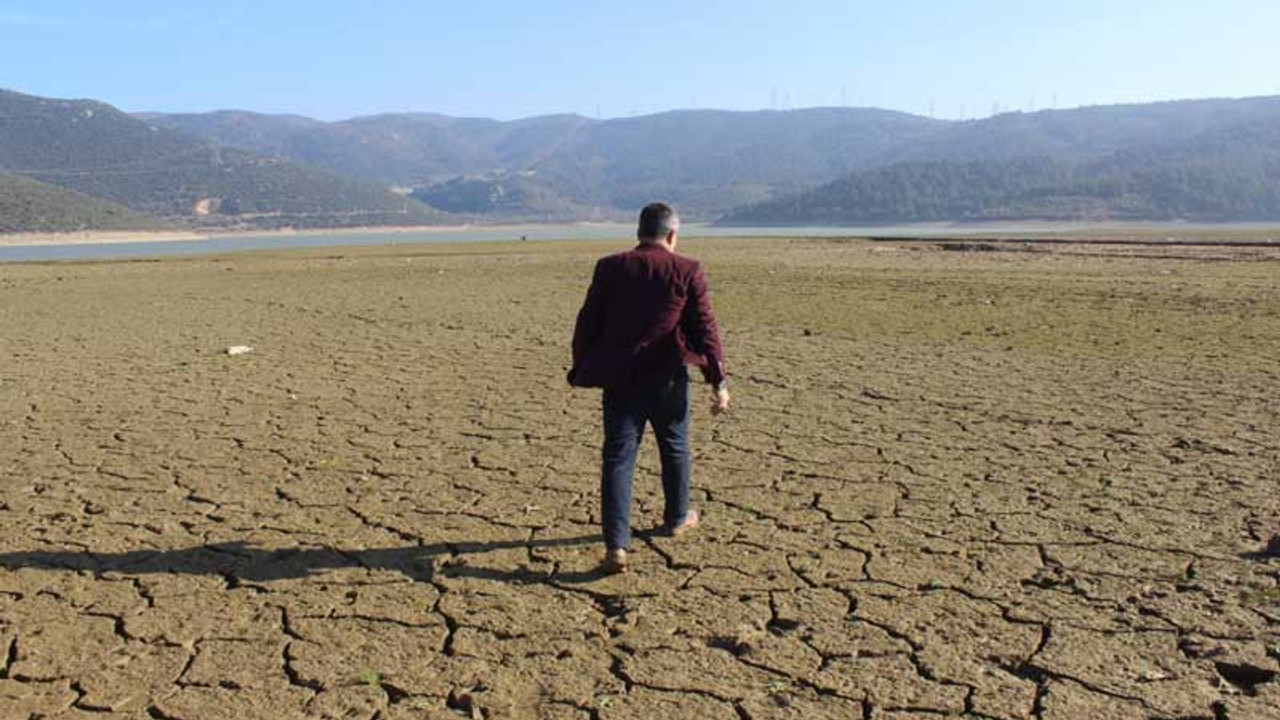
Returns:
(239, 350)
(1273, 547)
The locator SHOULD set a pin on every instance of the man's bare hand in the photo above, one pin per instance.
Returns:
(719, 401)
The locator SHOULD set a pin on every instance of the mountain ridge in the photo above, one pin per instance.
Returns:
(1222, 175)
(710, 162)
(239, 168)
(703, 160)
(94, 149)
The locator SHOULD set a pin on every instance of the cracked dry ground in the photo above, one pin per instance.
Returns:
(987, 485)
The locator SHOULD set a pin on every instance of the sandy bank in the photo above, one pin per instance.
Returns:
(98, 237)
(126, 236)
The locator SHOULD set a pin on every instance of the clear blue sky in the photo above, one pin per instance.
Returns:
(509, 58)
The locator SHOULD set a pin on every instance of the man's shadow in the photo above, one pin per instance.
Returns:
(239, 562)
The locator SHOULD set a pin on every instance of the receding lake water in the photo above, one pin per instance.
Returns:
(504, 233)
(507, 233)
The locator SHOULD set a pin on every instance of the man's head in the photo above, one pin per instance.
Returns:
(659, 224)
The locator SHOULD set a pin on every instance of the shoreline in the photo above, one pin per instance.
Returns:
(1173, 232)
(109, 237)
(98, 237)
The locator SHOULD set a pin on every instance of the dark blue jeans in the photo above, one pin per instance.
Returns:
(664, 404)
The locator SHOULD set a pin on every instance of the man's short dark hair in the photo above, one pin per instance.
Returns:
(657, 220)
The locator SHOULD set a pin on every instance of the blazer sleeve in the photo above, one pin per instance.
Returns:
(590, 318)
(700, 329)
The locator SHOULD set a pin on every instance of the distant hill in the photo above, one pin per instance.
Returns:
(1228, 174)
(458, 165)
(704, 161)
(1193, 159)
(406, 149)
(1082, 133)
(30, 206)
(707, 162)
(518, 197)
(255, 132)
(96, 150)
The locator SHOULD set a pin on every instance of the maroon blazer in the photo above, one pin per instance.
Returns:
(646, 316)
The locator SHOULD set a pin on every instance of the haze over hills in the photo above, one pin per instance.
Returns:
(407, 149)
(96, 150)
(1203, 159)
(706, 161)
(719, 163)
(1228, 174)
(1083, 132)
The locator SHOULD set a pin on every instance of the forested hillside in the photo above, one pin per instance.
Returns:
(519, 197)
(710, 162)
(1231, 174)
(94, 149)
(1201, 159)
(30, 206)
(704, 161)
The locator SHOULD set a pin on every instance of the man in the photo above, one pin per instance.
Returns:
(647, 315)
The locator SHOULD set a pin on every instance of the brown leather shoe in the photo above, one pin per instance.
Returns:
(690, 522)
(615, 562)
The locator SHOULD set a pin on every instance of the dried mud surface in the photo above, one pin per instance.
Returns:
(988, 484)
